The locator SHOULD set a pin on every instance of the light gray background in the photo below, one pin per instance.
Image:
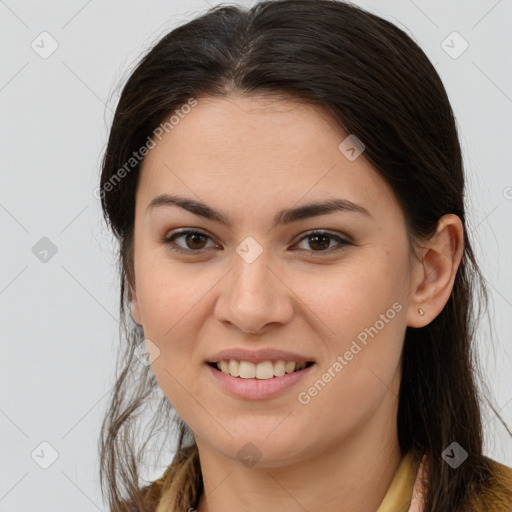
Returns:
(59, 318)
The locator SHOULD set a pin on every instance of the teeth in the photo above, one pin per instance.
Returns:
(263, 370)
(289, 367)
(247, 370)
(234, 368)
(224, 366)
(279, 368)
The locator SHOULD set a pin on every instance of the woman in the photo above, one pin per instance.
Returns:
(286, 185)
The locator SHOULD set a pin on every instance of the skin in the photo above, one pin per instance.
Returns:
(250, 157)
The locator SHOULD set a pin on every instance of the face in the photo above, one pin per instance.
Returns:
(263, 278)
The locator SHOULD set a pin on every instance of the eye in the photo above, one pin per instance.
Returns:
(320, 241)
(195, 241)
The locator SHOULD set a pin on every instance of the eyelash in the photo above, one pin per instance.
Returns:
(170, 241)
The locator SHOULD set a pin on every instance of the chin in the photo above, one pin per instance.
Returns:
(256, 448)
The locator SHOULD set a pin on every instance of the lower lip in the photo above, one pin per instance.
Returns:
(258, 389)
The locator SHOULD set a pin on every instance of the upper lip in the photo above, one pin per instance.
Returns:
(257, 356)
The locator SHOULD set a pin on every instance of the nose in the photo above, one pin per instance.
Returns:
(254, 297)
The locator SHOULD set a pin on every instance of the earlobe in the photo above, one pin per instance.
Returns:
(134, 305)
(438, 268)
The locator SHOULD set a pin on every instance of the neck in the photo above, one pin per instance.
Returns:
(353, 475)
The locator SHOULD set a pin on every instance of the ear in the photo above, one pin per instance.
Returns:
(135, 307)
(435, 272)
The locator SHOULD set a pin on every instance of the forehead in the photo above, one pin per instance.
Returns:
(248, 152)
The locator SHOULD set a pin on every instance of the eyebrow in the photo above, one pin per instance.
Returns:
(286, 216)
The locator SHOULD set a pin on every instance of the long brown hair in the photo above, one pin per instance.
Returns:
(378, 84)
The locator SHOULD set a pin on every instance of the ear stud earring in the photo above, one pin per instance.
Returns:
(421, 312)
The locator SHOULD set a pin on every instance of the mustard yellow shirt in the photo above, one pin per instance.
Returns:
(405, 494)
(399, 494)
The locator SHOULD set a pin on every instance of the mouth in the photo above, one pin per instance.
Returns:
(264, 370)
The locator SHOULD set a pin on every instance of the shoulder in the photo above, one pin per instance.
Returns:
(152, 493)
(147, 496)
(495, 494)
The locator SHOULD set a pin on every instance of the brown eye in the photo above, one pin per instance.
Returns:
(193, 241)
(196, 242)
(320, 241)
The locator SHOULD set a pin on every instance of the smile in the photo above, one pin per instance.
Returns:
(263, 370)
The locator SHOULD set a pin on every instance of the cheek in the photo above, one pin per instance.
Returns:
(169, 293)
(170, 302)
(350, 297)
(360, 311)
(174, 300)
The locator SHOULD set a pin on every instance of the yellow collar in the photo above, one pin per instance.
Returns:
(397, 499)
(405, 493)
(399, 495)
